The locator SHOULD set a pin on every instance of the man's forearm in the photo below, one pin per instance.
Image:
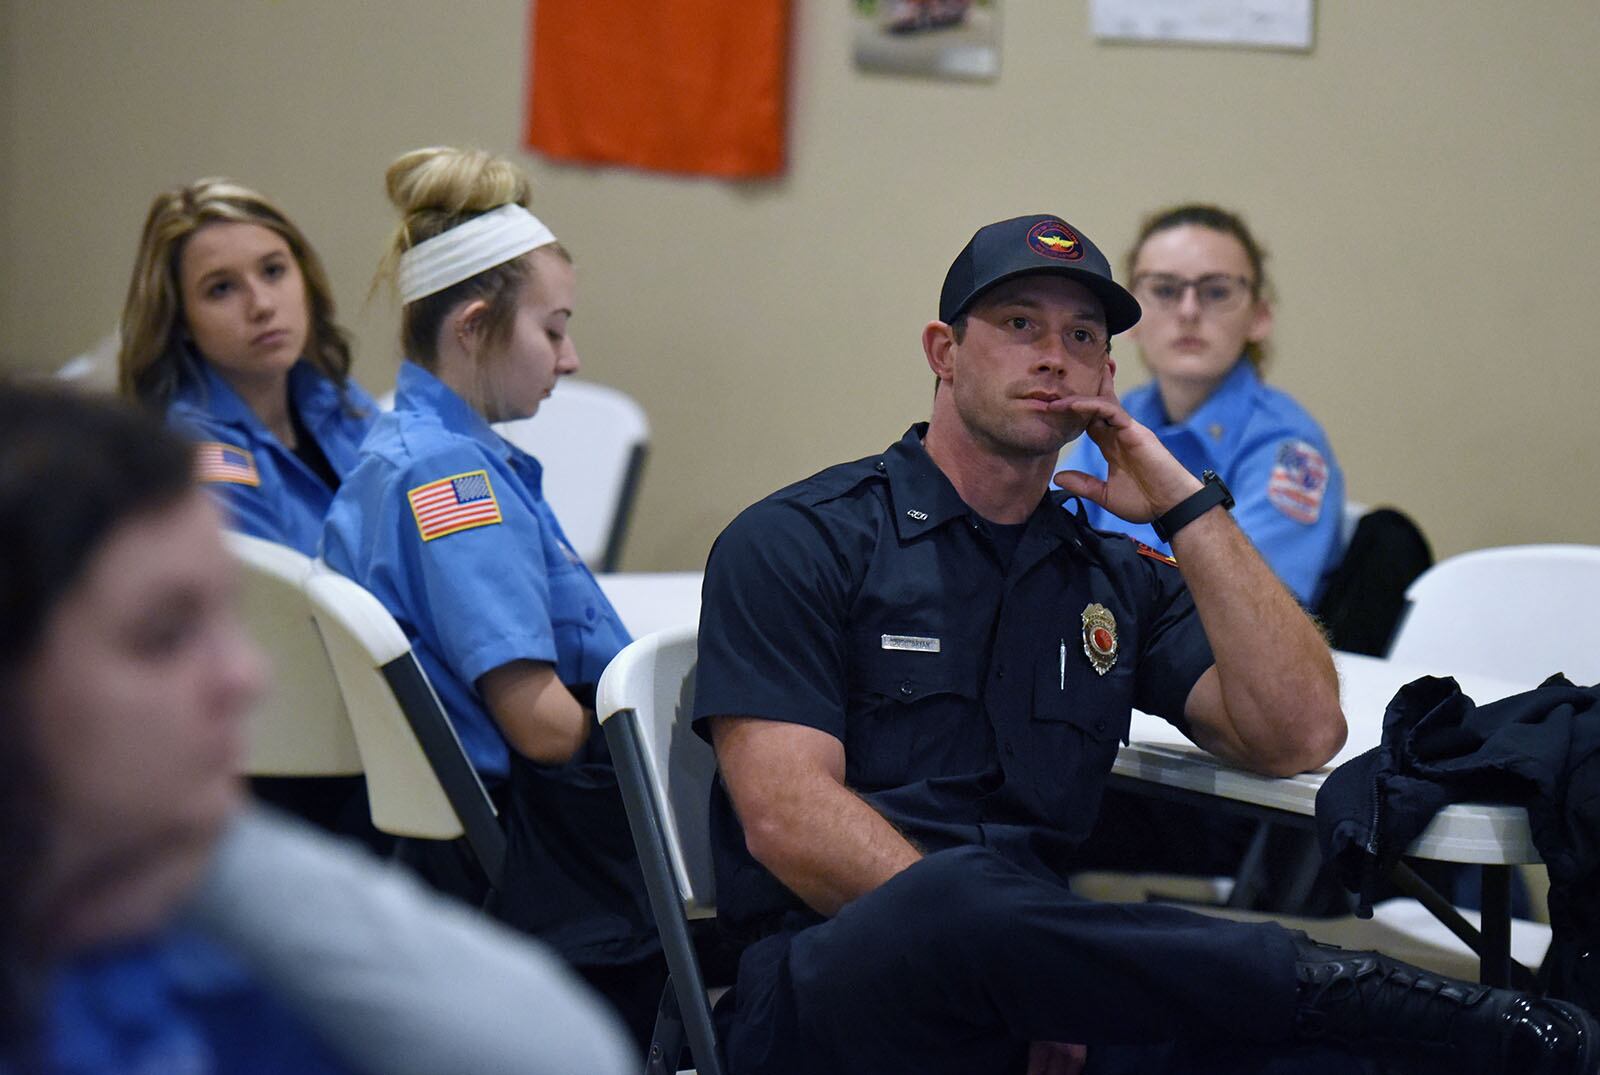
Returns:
(1278, 687)
(835, 849)
(801, 822)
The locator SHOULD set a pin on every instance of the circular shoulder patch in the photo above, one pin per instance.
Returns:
(1055, 240)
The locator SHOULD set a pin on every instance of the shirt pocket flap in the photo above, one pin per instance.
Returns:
(1101, 706)
(911, 675)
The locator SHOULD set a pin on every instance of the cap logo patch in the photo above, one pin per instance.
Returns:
(1055, 240)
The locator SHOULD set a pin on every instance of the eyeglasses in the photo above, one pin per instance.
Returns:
(1216, 293)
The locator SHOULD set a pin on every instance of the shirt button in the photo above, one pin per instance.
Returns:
(905, 688)
(1000, 672)
(1010, 750)
(879, 466)
(589, 613)
(1099, 725)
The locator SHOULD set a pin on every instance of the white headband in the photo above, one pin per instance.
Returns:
(469, 248)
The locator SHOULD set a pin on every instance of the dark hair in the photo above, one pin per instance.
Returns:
(1216, 219)
(73, 467)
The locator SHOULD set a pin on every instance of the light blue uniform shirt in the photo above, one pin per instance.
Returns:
(175, 1004)
(267, 490)
(1287, 486)
(471, 598)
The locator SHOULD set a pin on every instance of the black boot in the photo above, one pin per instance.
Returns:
(1376, 1004)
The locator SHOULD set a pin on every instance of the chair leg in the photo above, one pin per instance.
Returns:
(666, 1043)
(1247, 882)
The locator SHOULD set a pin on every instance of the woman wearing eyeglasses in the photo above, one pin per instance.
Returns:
(1199, 275)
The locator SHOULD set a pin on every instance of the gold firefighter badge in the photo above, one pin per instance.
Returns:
(1100, 637)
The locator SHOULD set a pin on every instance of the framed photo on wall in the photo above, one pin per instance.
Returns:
(956, 39)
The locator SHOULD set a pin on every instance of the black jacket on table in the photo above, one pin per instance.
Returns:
(1539, 749)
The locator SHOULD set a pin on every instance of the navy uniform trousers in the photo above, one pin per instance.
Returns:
(957, 963)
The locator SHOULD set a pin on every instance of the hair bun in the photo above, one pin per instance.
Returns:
(444, 181)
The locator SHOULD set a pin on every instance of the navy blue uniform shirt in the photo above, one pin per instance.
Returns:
(871, 603)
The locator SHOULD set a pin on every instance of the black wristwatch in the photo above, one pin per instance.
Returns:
(1191, 507)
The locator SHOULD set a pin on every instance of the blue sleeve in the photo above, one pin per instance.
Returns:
(482, 594)
(1084, 456)
(1176, 651)
(252, 509)
(772, 627)
(1289, 500)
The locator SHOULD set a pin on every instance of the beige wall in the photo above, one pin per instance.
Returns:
(1423, 179)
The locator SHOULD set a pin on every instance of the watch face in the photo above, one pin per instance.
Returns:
(1211, 477)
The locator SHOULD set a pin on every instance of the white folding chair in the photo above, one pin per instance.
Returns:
(349, 697)
(419, 778)
(592, 442)
(95, 368)
(651, 601)
(1519, 613)
(645, 702)
(300, 727)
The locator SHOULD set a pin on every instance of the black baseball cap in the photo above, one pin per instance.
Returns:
(1029, 244)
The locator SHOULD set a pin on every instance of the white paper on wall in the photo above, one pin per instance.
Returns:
(1282, 24)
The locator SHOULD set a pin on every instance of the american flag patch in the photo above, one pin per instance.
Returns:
(456, 503)
(1299, 478)
(218, 462)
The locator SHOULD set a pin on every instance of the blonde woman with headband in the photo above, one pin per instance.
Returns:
(228, 331)
(445, 521)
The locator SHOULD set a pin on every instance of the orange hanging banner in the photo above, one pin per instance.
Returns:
(691, 86)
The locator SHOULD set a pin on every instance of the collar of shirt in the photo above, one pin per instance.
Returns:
(315, 398)
(1217, 423)
(924, 498)
(418, 390)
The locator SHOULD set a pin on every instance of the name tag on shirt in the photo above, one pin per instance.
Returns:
(912, 643)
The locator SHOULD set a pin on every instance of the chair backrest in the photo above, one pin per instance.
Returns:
(300, 728)
(1519, 613)
(419, 779)
(592, 441)
(645, 700)
(651, 601)
(95, 368)
(650, 686)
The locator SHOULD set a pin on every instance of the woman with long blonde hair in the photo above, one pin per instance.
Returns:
(229, 331)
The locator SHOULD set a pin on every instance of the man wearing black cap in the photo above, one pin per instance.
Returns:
(916, 669)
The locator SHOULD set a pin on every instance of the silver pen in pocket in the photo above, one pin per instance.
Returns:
(1063, 664)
